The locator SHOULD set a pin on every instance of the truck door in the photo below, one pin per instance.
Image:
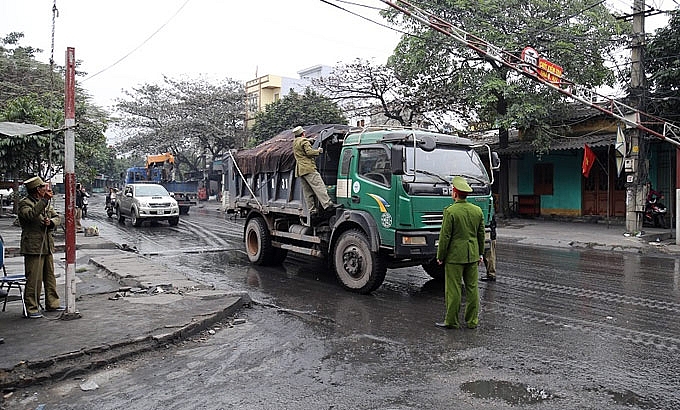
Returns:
(372, 188)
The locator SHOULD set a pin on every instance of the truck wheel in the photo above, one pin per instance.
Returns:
(434, 269)
(357, 268)
(119, 216)
(173, 221)
(259, 244)
(136, 220)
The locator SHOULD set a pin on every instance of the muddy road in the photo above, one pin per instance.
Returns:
(560, 329)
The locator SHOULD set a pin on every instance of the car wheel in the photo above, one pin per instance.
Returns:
(135, 219)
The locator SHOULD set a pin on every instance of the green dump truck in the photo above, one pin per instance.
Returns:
(393, 185)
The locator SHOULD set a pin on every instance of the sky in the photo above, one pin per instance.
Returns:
(126, 43)
(235, 39)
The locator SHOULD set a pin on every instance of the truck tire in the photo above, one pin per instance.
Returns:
(258, 243)
(119, 216)
(173, 221)
(435, 270)
(135, 219)
(357, 268)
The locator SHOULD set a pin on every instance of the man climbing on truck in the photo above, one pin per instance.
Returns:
(305, 168)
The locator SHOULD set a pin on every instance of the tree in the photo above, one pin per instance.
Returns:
(189, 118)
(579, 35)
(663, 69)
(293, 110)
(33, 92)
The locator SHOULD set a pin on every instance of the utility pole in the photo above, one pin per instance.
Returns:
(69, 182)
(637, 166)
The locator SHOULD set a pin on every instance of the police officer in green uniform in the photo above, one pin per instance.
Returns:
(305, 168)
(38, 220)
(461, 248)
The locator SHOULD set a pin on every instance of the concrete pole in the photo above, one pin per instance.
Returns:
(636, 177)
(69, 182)
(677, 195)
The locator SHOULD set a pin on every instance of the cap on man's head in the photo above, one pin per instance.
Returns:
(460, 184)
(297, 131)
(33, 183)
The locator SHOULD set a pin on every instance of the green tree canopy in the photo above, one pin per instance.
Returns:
(189, 118)
(33, 92)
(293, 110)
(578, 35)
(663, 69)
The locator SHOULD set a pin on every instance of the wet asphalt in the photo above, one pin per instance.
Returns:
(582, 316)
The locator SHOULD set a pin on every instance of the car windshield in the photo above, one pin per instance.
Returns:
(445, 162)
(151, 190)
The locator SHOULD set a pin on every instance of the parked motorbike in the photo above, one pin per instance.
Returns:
(655, 212)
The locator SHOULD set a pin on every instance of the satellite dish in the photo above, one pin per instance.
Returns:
(621, 149)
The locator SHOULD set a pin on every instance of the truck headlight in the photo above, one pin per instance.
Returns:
(413, 240)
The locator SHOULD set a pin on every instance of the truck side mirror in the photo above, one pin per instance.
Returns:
(397, 152)
(495, 161)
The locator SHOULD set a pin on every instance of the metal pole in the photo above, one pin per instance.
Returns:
(69, 182)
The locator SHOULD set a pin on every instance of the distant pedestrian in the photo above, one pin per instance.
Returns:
(490, 255)
(461, 245)
(313, 186)
(38, 221)
(79, 208)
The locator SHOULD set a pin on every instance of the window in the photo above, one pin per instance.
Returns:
(374, 164)
(346, 160)
(360, 123)
(543, 179)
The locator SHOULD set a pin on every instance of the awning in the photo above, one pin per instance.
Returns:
(562, 143)
(15, 129)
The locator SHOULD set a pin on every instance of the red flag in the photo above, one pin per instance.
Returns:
(588, 160)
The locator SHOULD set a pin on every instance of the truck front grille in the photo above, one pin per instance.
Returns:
(160, 205)
(432, 218)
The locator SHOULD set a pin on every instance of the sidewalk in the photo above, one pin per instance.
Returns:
(162, 304)
(158, 305)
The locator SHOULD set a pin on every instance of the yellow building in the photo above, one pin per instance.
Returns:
(270, 88)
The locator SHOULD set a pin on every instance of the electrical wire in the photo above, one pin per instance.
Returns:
(140, 45)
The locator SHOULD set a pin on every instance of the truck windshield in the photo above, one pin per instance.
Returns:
(444, 163)
(151, 190)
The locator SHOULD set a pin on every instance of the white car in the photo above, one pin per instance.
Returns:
(146, 202)
(6, 195)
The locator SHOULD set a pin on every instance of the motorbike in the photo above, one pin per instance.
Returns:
(655, 212)
(110, 206)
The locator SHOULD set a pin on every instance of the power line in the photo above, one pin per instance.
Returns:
(140, 45)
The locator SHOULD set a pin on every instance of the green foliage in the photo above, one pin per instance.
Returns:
(293, 110)
(32, 92)
(663, 68)
(574, 34)
(189, 118)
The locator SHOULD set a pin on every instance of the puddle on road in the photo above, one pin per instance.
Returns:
(512, 393)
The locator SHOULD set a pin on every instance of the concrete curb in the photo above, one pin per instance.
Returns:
(78, 362)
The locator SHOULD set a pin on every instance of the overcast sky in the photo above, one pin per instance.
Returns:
(214, 38)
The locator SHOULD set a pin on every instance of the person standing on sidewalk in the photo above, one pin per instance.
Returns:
(79, 208)
(490, 255)
(461, 245)
(38, 220)
(310, 179)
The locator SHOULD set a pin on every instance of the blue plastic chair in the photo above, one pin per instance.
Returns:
(9, 282)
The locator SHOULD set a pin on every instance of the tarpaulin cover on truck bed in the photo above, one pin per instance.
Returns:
(276, 154)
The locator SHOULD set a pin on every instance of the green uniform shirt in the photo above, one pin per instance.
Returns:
(305, 156)
(461, 239)
(36, 238)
